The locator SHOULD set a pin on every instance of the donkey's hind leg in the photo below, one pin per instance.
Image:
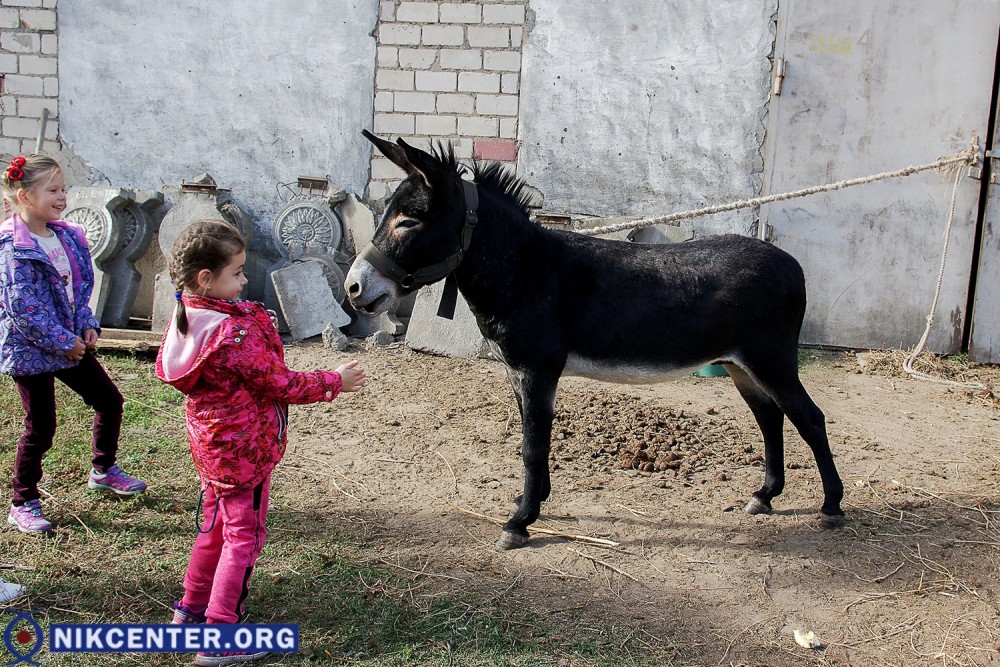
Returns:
(771, 421)
(781, 382)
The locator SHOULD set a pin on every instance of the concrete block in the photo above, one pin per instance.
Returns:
(384, 102)
(9, 18)
(135, 220)
(21, 42)
(394, 80)
(459, 337)
(478, 127)
(496, 105)
(387, 56)
(478, 82)
(414, 102)
(307, 302)
(489, 37)
(100, 212)
(462, 104)
(510, 83)
(465, 12)
(403, 35)
(510, 14)
(416, 58)
(359, 224)
(417, 12)
(393, 123)
(504, 61)
(463, 59)
(39, 19)
(443, 35)
(8, 65)
(444, 82)
(508, 128)
(437, 126)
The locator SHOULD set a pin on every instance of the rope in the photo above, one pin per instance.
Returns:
(908, 364)
(969, 156)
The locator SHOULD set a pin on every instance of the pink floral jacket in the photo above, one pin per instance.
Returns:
(231, 367)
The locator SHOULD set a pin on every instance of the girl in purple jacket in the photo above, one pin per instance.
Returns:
(47, 331)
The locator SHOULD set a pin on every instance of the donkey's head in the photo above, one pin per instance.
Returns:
(423, 233)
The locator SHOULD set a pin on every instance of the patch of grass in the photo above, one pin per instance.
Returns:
(122, 561)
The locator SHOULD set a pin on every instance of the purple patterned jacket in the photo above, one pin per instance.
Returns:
(37, 325)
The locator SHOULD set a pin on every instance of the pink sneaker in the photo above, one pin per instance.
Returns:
(28, 517)
(183, 615)
(116, 480)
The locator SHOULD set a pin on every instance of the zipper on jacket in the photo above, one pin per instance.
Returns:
(282, 419)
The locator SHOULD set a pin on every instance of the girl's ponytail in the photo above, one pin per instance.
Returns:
(181, 319)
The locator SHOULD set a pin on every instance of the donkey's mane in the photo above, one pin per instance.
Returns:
(490, 174)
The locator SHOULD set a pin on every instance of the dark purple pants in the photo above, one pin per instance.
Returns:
(38, 397)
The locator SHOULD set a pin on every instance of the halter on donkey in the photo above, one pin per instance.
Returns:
(553, 303)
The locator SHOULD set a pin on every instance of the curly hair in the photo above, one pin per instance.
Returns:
(204, 245)
(37, 170)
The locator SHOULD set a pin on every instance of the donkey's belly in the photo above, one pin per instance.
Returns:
(626, 373)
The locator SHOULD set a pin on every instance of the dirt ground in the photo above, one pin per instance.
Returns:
(419, 462)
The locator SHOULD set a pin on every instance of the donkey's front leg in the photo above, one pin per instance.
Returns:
(537, 397)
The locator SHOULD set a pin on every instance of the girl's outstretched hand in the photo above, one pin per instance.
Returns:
(352, 377)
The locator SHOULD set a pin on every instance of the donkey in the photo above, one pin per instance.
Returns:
(553, 303)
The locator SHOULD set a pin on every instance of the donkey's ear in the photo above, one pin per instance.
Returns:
(429, 166)
(395, 153)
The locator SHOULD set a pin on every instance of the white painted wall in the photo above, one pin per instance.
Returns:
(646, 107)
(255, 92)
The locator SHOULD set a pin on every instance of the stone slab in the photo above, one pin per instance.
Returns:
(459, 337)
(307, 302)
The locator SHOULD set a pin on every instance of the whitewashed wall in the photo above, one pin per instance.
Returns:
(255, 92)
(645, 107)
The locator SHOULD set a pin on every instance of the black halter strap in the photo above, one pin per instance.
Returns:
(435, 272)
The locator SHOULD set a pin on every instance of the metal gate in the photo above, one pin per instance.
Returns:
(870, 87)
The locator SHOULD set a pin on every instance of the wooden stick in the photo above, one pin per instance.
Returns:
(608, 565)
(454, 478)
(544, 531)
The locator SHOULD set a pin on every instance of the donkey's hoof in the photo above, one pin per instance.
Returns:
(832, 520)
(510, 540)
(757, 506)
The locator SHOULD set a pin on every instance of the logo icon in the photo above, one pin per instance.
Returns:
(23, 637)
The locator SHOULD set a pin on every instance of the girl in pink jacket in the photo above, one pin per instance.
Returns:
(227, 357)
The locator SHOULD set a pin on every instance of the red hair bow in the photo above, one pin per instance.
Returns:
(14, 172)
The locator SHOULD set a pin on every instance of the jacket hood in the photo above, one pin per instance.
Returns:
(182, 356)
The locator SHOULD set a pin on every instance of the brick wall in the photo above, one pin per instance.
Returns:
(449, 71)
(28, 75)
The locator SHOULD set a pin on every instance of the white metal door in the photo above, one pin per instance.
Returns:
(984, 341)
(872, 87)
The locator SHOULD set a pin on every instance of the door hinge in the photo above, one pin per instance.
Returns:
(779, 75)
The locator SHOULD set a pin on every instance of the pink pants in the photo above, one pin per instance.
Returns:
(225, 552)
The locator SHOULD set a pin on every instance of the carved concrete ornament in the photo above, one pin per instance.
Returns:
(312, 225)
(103, 235)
